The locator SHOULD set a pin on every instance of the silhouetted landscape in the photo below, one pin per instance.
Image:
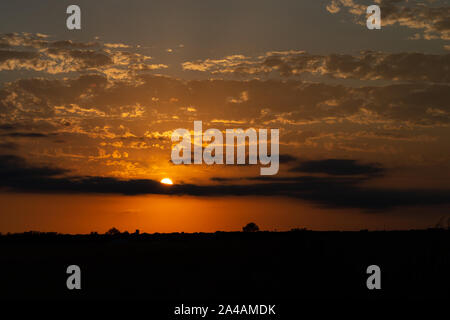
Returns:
(217, 266)
(136, 129)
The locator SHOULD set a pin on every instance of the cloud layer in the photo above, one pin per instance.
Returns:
(431, 18)
(368, 65)
(25, 51)
(17, 175)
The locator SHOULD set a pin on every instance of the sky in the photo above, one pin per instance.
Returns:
(86, 116)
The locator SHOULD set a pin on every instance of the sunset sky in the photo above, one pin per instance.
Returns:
(86, 116)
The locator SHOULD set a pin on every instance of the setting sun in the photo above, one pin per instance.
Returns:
(166, 181)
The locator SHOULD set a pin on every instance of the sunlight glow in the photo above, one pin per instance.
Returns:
(166, 181)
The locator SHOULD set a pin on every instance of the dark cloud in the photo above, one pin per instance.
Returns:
(17, 175)
(85, 58)
(25, 135)
(9, 146)
(7, 127)
(69, 44)
(287, 158)
(14, 170)
(17, 55)
(338, 167)
(431, 18)
(309, 179)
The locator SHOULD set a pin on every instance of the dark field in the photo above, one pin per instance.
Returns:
(224, 266)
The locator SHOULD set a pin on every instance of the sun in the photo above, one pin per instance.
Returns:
(166, 181)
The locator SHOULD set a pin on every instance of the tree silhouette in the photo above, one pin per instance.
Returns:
(250, 227)
(113, 231)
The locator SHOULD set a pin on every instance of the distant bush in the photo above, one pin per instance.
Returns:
(299, 229)
(113, 232)
(441, 224)
(250, 227)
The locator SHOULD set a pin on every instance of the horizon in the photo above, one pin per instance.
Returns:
(435, 228)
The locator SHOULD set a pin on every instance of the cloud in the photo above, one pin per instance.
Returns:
(368, 65)
(25, 51)
(14, 169)
(24, 135)
(17, 175)
(69, 44)
(91, 106)
(24, 39)
(9, 146)
(116, 45)
(338, 167)
(397, 122)
(432, 18)
(287, 158)
(7, 127)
